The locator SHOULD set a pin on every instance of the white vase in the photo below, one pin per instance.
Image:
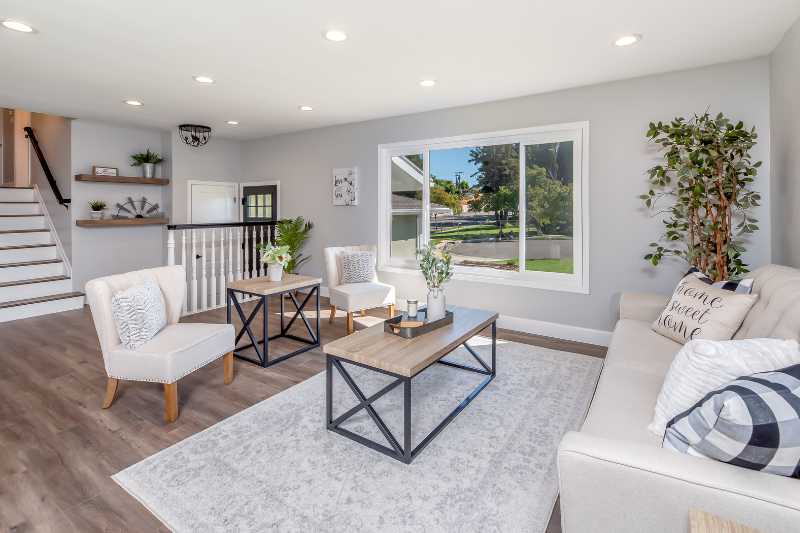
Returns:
(275, 272)
(96, 215)
(436, 308)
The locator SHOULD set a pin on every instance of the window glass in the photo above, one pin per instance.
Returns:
(406, 206)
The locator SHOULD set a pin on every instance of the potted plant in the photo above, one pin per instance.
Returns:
(294, 234)
(97, 207)
(437, 267)
(148, 161)
(276, 258)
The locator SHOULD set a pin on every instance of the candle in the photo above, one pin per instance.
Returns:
(412, 307)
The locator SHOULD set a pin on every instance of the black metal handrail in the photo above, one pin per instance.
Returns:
(53, 185)
(221, 225)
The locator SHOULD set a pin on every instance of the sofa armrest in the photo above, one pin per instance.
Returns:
(615, 486)
(642, 306)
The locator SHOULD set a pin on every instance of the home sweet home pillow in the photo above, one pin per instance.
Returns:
(700, 311)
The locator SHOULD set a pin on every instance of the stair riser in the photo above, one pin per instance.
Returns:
(44, 308)
(21, 255)
(16, 195)
(21, 239)
(35, 290)
(12, 223)
(19, 209)
(31, 272)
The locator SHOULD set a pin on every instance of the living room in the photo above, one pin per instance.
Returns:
(256, 120)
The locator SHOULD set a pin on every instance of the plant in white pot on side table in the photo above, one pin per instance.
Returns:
(275, 258)
(97, 207)
(437, 267)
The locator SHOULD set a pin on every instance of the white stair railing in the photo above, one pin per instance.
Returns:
(242, 260)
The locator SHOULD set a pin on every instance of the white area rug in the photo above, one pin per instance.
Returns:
(274, 467)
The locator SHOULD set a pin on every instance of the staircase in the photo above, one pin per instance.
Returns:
(34, 277)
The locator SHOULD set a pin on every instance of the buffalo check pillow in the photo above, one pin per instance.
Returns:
(752, 422)
(741, 286)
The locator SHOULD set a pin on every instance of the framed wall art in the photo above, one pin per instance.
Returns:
(345, 186)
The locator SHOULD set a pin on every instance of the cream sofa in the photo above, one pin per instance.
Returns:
(614, 475)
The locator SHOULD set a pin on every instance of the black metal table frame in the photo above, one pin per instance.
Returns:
(263, 356)
(402, 453)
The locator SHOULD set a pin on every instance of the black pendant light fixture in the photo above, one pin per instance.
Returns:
(195, 134)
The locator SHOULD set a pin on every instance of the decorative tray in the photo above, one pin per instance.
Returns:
(415, 331)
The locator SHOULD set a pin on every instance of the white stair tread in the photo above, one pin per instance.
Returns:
(25, 231)
(34, 280)
(41, 299)
(24, 246)
(30, 263)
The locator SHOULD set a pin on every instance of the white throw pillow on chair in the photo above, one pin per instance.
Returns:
(139, 313)
(358, 267)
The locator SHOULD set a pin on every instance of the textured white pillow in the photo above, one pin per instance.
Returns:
(358, 267)
(702, 365)
(139, 313)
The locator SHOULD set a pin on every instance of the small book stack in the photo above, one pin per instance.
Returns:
(411, 322)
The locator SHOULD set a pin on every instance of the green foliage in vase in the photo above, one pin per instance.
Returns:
(708, 169)
(437, 267)
(146, 157)
(98, 205)
(294, 233)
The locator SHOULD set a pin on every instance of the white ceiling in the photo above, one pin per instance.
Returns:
(268, 56)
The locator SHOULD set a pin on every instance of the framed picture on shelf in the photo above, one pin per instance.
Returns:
(345, 186)
(104, 171)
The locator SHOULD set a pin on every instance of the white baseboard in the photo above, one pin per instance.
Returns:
(557, 331)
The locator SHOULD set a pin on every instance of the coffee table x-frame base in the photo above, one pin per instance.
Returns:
(402, 453)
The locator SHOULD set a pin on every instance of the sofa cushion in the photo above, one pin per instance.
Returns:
(623, 405)
(777, 313)
(636, 346)
(174, 352)
(357, 296)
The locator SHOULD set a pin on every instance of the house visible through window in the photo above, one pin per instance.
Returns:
(510, 206)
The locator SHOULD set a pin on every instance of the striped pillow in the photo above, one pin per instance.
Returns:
(752, 422)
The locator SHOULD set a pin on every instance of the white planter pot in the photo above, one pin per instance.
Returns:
(96, 215)
(436, 305)
(275, 272)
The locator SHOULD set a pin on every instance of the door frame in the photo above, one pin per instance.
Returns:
(189, 184)
(256, 184)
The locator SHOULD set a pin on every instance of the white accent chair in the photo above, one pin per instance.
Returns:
(174, 352)
(354, 297)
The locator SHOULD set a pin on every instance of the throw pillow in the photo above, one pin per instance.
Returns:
(742, 286)
(358, 267)
(701, 366)
(139, 313)
(700, 311)
(752, 422)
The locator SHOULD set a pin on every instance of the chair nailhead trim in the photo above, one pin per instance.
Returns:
(176, 379)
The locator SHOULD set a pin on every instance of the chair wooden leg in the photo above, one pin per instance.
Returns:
(171, 398)
(333, 314)
(110, 392)
(349, 323)
(391, 311)
(363, 312)
(227, 365)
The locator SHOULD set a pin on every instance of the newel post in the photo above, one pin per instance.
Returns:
(171, 248)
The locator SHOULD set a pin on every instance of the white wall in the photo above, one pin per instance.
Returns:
(621, 229)
(100, 252)
(785, 147)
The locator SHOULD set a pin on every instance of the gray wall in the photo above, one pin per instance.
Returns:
(53, 134)
(621, 228)
(785, 147)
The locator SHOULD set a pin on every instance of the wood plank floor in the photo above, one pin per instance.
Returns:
(58, 448)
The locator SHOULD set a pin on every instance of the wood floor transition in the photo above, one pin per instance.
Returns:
(58, 448)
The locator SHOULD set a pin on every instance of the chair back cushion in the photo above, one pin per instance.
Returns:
(171, 280)
(333, 262)
(777, 313)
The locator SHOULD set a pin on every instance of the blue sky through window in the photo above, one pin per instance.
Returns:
(445, 163)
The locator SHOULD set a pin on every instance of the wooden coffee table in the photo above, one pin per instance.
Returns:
(404, 359)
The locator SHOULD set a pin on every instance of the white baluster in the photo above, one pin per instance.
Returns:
(261, 255)
(204, 281)
(213, 288)
(194, 272)
(254, 265)
(171, 247)
(222, 266)
(230, 254)
(238, 254)
(246, 253)
(184, 309)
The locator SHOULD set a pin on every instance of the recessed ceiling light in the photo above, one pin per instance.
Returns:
(232, 122)
(627, 40)
(427, 83)
(133, 102)
(203, 79)
(305, 108)
(19, 26)
(335, 35)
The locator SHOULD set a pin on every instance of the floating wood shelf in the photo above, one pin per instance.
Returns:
(121, 179)
(106, 222)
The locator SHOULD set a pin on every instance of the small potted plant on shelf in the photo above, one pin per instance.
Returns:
(276, 259)
(97, 207)
(437, 268)
(148, 161)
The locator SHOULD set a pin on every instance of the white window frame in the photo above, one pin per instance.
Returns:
(577, 132)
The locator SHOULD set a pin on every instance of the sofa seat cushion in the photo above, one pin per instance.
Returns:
(351, 297)
(636, 346)
(623, 405)
(175, 351)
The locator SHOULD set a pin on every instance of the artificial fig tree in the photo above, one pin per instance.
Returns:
(707, 172)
